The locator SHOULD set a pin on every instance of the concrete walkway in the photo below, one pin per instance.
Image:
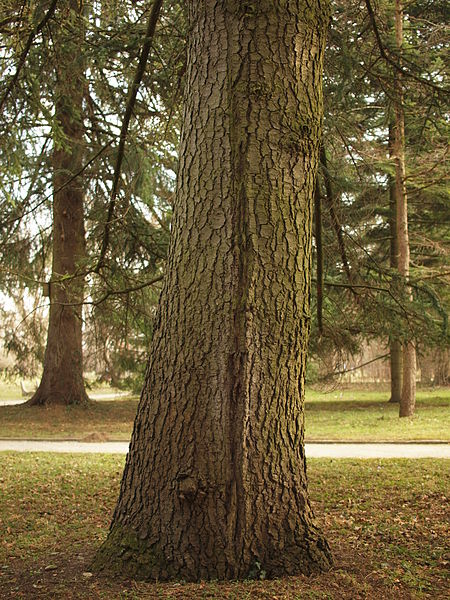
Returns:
(312, 450)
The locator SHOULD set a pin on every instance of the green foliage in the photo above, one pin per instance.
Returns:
(361, 303)
(119, 305)
(367, 301)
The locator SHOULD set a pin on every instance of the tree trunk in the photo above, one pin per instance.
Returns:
(408, 397)
(62, 378)
(215, 481)
(395, 347)
(396, 363)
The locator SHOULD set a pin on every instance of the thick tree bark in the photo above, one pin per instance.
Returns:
(62, 378)
(408, 397)
(395, 347)
(215, 481)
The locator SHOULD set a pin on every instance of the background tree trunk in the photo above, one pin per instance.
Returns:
(395, 347)
(442, 366)
(62, 378)
(215, 481)
(408, 397)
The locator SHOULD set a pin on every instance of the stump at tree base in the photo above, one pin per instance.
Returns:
(124, 554)
(66, 398)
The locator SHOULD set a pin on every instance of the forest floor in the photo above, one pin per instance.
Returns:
(342, 414)
(385, 521)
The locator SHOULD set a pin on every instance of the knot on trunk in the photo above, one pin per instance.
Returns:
(187, 487)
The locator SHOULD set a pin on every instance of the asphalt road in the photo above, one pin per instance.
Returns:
(313, 450)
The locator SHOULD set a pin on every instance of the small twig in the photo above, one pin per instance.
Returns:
(126, 290)
(369, 287)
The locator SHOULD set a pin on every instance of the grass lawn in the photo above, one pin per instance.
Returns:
(342, 414)
(385, 521)
(357, 415)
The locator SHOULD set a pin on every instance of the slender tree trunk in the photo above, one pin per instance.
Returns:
(215, 481)
(62, 378)
(408, 397)
(395, 346)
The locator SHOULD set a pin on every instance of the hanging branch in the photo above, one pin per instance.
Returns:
(61, 187)
(48, 15)
(360, 366)
(334, 218)
(151, 26)
(319, 250)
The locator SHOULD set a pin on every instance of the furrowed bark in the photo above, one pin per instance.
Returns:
(215, 483)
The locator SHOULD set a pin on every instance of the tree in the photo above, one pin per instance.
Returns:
(408, 396)
(62, 377)
(360, 93)
(215, 481)
(120, 299)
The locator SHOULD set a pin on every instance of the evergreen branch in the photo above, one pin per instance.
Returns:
(151, 26)
(48, 15)
(62, 186)
(386, 55)
(126, 290)
(334, 218)
(377, 288)
(92, 302)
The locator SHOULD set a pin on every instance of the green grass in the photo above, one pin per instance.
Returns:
(385, 521)
(357, 415)
(10, 390)
(350, 414)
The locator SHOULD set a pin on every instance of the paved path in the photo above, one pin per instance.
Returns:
(312, 450)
